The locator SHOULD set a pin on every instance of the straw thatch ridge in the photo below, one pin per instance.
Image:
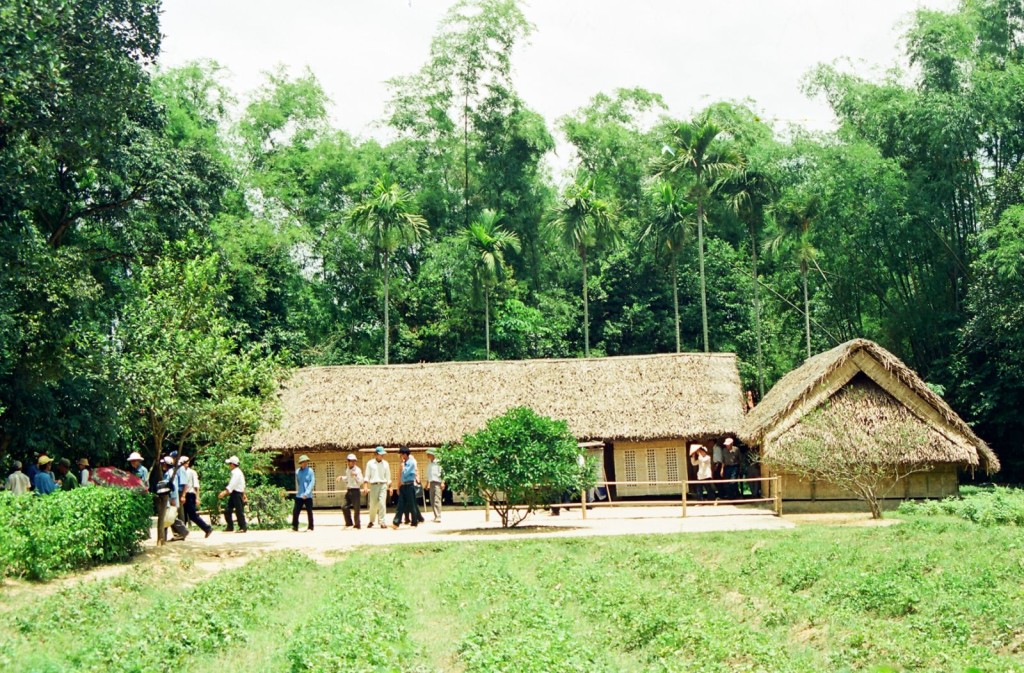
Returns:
(821, 377)
(637, 397)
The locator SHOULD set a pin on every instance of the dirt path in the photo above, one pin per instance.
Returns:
(331, 539)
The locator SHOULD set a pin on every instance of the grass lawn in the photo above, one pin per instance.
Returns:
(929, 594)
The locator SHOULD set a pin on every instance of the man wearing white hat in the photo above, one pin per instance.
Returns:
(235, 493)
(138, 469)
(191, 496)
(353, 482)
(171, 517)
(305, 481)
(436, 483)
(377, 483)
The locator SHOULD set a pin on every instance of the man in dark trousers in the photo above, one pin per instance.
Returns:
(407, 490)
(305, 481)
(353, 486)
(235, 493)
(191, 495)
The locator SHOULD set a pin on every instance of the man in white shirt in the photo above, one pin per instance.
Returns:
(235, 493)
(353, 482)
(191, 496)
(436, 484)
(377, 484)
(17, 482)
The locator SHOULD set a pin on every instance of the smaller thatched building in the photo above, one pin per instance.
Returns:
(635, 413)
(863, 401)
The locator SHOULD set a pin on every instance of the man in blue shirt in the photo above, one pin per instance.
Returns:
(407, 490)
(43, 482)
(305, 480)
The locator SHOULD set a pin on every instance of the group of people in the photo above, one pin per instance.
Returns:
(376, 485)
(180, 484)
(47, 476)
(725, 462)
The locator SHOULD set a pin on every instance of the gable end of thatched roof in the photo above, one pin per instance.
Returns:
(825, 374)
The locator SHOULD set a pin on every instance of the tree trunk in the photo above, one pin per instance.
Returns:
(807, 309)
(757, 319)
(465, 156)
(586, 308)
(675, 301)
(387, 325)
(700, 256)
(487, 321)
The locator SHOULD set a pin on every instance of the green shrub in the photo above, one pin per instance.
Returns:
(988, 507)
(268, 507)
(43, 536)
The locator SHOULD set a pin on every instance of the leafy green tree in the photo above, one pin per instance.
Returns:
(386, 217)
(699, 153)
(796, 217)
(487, 243)
(583, 221)
(669, 230)
(188, 379)
(518, 462)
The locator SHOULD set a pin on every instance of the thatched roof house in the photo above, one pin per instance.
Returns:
(876, 402)
(634, 414)
(642, 397)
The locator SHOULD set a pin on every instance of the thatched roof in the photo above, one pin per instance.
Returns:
(617, 398)
(898, 394)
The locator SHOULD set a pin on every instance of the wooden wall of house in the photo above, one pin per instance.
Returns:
(656, 460)
(941, 482)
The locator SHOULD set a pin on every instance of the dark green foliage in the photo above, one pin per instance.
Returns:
(988, 507)
(268, 507)
(45, 536)
(518, 462)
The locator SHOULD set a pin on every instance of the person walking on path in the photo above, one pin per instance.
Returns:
(353, 486)
(434, 479)
(700, 458)
(235, 493)
(407, 490)
(172, 518)
(137, 468)
(192, 496)
(17, 481)
(305, 480)
(43, 482)
(84, 474)
(377, 483)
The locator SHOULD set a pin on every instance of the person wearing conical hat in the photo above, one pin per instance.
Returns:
(305, 481)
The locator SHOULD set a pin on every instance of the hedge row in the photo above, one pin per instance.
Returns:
(42, 536)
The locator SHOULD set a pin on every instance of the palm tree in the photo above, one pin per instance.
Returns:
(796, 215)
(670, 229)
(387, 218)
(699, 150)
(583, 221)
(487, 243)
(750, 191)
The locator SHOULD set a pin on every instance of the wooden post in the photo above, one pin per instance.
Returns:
(487, 509)
(778, 495)
(583, 503)
(684, 484)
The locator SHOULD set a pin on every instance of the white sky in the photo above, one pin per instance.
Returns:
(691, 52)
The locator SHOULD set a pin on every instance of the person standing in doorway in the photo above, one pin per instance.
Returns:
(305, 480)
(191, 496)
(353, 487)
(435, 483)
(731, 467)
(699, 457)
(17, 481)
(377, 483)
(407, 490)
(235, 493)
